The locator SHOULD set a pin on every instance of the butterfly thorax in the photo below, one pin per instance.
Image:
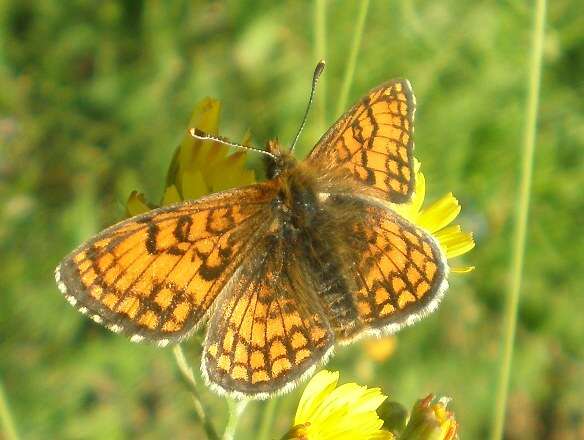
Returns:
(296, 203)
(304, 223)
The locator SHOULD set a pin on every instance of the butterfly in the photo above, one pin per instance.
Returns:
(281, 271)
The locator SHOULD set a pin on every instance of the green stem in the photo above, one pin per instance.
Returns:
(8, 426)
(267, 419)
(236, 408)
(352, 61)
(518, 247)
(320, 54)
(189, 376)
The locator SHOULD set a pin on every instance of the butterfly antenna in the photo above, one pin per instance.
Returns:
(317, 71)
(201, 135)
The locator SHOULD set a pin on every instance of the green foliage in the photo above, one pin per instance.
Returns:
(94, 100)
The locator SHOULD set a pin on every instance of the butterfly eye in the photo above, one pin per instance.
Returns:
(273, 167)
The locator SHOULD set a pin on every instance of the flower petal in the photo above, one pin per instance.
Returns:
(420, 192)
(336, 402)
(193, 185)
(462, 269)
(461, 247)
(369, 400)
(439, 214)
(454, 241)
(347, 412)
(136, 204)
(171, 195)
(321, 384)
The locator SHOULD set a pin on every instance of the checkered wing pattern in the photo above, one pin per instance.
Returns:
(373, 142)
(401, 273)
(268, 331)
(156, 275)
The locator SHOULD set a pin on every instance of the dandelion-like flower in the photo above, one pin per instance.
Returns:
(199, 167)
(380, 349)
(431, 420)
(328, 412)
(436, 219)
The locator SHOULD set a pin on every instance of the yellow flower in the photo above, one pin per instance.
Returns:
(447, 422)
(380, 349)
(199, 167)
(431, 420)
(436, 219)
(326, 412)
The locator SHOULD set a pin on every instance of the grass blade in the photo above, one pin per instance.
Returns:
(189, 376)
(236, 409)
(8, 426)
(518, 245)
(268, 419)
(320, 54)
(352, 61)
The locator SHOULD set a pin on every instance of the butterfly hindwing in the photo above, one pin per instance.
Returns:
(401, 272)
(155, 276)
(373, 143)
(267, 330)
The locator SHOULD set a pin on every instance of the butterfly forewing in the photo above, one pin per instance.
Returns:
(156, 275)
(373, 142)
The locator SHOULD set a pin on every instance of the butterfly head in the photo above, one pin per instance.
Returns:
(280, 161)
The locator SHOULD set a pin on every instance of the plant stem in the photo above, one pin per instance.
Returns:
(189, 376)
(236, 408)
(320, 54)
(8, 426)
(267, 419)
(518, 246)
(352, 61)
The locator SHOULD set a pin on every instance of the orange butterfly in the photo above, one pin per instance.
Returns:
(281, 271)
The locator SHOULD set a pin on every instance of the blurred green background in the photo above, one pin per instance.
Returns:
(94, 97)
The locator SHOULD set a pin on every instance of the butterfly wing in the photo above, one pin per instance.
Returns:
(372, 142)
(400, 273)
(155, 276)
(267, 331)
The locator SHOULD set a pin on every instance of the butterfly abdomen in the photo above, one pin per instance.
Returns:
(308, 227)
(329, 272)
